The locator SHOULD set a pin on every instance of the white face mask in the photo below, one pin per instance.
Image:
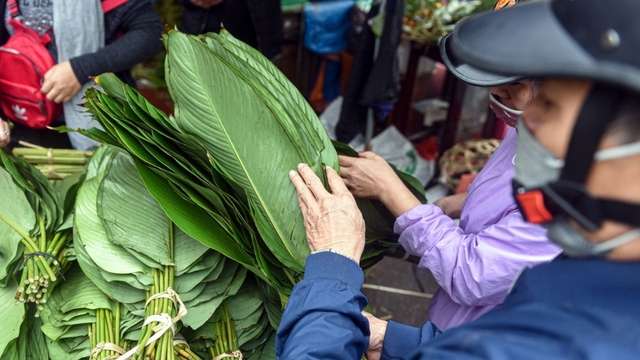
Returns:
(504, 113)
(536, 166)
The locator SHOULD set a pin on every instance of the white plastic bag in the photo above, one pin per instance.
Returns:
(399, 151)
(390, 144)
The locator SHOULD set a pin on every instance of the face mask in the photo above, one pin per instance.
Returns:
(574, 244)
(536, 166)
(504, 113)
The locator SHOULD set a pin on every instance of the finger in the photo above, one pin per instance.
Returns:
(305, 196)
(59, 99)
(368, 155)
(51, 95)
(345, 161)
(47, 86)
(336, 183)
(48, 74)
(313, 181)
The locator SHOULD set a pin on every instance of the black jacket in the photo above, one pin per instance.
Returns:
(256, 22)
(372, 82)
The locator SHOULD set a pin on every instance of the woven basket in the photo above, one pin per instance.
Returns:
(467, 157)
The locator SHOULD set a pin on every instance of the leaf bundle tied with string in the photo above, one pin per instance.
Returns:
(37, 225)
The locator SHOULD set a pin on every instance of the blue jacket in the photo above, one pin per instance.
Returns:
(567, 309)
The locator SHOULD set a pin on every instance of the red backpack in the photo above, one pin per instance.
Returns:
(24, 60)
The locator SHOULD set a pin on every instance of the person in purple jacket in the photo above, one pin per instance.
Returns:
(476, 262)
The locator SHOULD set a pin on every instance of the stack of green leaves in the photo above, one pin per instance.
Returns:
(39, 228)
(30, 207)
(132, 252)
(76, 322)
(241, 324)
(177, 171)
(219, 168)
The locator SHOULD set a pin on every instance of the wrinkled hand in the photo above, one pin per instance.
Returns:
(378, 329)
(451, 205)
(5, 133)
(60, 83)
(368, 176)
(332, 221)
(206, 4)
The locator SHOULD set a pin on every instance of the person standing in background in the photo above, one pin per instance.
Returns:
(257, 23)
(87, 40)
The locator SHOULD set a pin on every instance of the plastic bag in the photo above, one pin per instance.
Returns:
(390, 144)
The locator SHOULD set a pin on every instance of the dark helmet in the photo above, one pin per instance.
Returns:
(468, 73)
(586, 39)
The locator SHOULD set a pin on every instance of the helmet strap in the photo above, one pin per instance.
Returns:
(568, 195)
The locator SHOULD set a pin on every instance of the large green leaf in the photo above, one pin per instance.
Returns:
(188, 251)
(131, 217)
(15, 208)
(192, 219)
(295, 115)
(105, 254)
(12, 316)
(246, 143)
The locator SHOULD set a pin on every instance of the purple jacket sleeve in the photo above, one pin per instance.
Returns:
(474, 269)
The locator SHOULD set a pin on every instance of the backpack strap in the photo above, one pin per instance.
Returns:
(14, 11)
(108, 5)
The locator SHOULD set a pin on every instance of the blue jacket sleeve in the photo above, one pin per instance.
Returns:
(402, 340)
(323, 318)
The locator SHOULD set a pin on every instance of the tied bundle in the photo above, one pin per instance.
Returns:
(129, 248)
(36, 228)
(55, 164)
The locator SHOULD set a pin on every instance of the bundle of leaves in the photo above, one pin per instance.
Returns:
(36, 228)
(76, 322)
(219, 167)
(133, 253)
(242, 323)
(55, 164)
(35, 251)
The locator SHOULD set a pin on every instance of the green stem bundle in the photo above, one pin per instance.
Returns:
(183, 352)
(226, 336)
(104, 335)
(161, 349)
(55, 164)
(45, 257)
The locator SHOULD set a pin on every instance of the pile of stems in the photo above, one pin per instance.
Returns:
(45, 257)
(106, 330)
(55, 164)
(226, 337)
(183, 352)
(161, 349)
